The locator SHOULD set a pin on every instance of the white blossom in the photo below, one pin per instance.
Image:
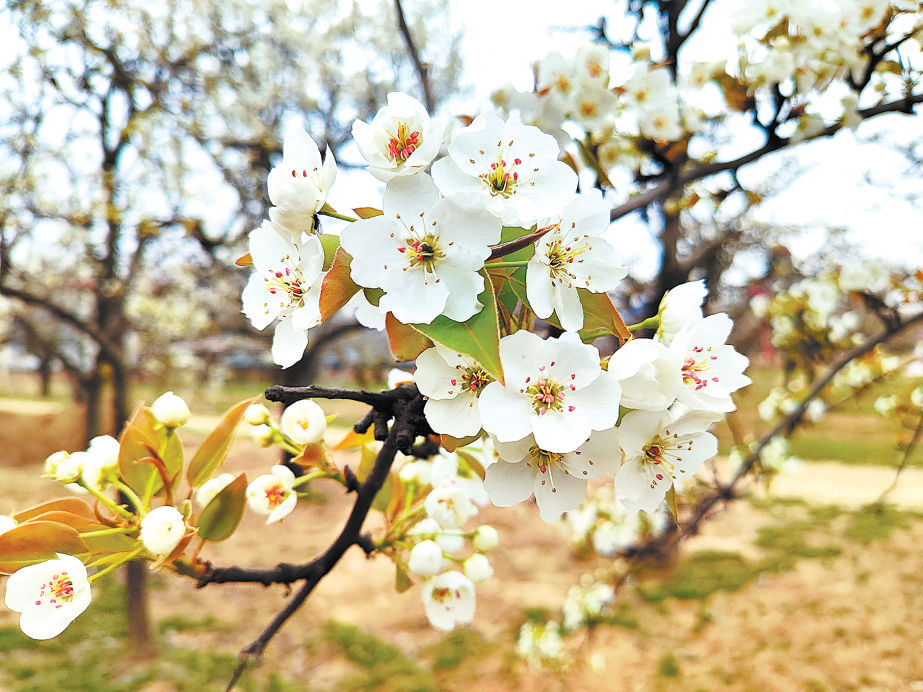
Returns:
(449, 600)
(303, 422)
(286, 285)
(512, 168)
(680, 306)
(452, 383)
(49, 595)
(650, 374)
(298, 187)
(555, 389)
(401, 139)
(426, 559)
(573, 256)
(660, 447)
(424, 252)
(272, 494)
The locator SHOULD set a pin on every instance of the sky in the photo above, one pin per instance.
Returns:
(502, 40)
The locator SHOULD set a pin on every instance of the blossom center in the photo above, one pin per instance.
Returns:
(502, 179)
(560, 256)
(400, 147)
(58, 590)
(286, 281)
(546, 394)
(695, 371)
(275, 495)
(423, 252)
(473, 379)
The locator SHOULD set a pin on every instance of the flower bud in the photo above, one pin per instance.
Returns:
(162, 530)
(304, 422)
(256, 414)
(212, 487)
(69, 468)
(52, 463)
(426, 559)
(170, 410)
(262, 434)
(485, 538)
(477, 568)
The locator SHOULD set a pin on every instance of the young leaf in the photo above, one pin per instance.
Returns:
(214, 450)
(600, 315)
(367, 212)
(135, 443)
(221, 517)
(405, 342)
(479, 337)
(244, 261)
(72, 505)
(670, 497)
(330, 243)
(367, 462)
(337, 286)
(35, 542)
(354, 439)
(402, 580)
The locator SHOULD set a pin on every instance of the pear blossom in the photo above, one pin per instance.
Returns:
(426, 559)
(650, 374)
(303, 422)
(207, 491)
(450, 505)
(424, 252)
(558, 480)
(513, 168)
(49, 595)
(446, 470)
(102, 459)
(401, 139)
(285, 284)
(170, 410)
(256, 414)
(64, 467)
(661, 446)
(585, 603)
(298, 187)
(680, 306)
(477, 568)
(555, 389)
(452, 383)
(272, 494)
(162, 529)
(485, 538)
(573, 256)
(449, 600)
(712, 370)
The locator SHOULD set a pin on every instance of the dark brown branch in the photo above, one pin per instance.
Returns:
(418, 64)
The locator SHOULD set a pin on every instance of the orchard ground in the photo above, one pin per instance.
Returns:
(808, 588)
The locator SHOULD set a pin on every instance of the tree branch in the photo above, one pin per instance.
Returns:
(418, 64)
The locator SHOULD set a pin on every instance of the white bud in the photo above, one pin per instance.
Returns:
(257, 414)
(52, 463)
(262, 435)
(162, 529)
(477, 568)
(426, 559)
(69, 469)
(170, 410)
(304, 422)
(212, 487)
(6, 523)
(485, 538)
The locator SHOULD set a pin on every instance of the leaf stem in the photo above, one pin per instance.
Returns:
(503, 265)
(649, 323)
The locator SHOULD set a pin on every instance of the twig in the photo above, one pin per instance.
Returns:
(418, 64)
(914, 441)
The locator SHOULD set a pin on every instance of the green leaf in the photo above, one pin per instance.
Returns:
(599, 314)
(402, 580)
(337, 286)
(135, 444)
(330, 243)
(670, 497)
(214, 450)
(473, 463)
(220, 518)
(28, 544)
(110, 543)
(478, 337)
(405, 342)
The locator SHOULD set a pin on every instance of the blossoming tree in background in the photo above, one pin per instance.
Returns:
(488, 262)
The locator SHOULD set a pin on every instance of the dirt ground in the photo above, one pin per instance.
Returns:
(852, 622)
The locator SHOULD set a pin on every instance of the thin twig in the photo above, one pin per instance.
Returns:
(911, 446)
(418, 64)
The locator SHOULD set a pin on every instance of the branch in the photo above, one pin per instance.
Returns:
(419, 65)
(676, 181)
